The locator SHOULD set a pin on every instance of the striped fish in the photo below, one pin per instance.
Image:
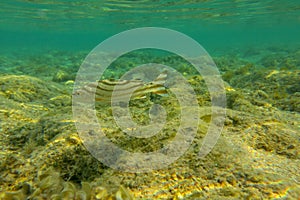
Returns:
(123, 90)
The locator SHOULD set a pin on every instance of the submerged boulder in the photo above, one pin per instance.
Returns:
(24, 88)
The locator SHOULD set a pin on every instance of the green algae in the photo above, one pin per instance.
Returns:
(51, 186)
(257, 157)
(62, 76)
(26, 88)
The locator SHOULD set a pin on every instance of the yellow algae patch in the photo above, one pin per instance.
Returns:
(229, 89)
(272, 73)
(69, 83)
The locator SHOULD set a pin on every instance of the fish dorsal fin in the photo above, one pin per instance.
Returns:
(161, 78)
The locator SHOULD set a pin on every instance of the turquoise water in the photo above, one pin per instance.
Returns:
(256, 48)
(83, 24)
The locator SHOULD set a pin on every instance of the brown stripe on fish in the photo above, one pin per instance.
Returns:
(124, 89)
(122, 85)
(138, 93)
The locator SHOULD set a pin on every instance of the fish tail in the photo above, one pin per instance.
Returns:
(161, 80)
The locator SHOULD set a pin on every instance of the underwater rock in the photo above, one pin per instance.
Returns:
(271, 61)
(233, 75)
(280, 89)
(26, 88)
(275, 138)
(38, 132)
(62, 100)
(281, 61)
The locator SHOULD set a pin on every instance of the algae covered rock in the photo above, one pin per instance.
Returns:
(280, 89)
(26, 88)
(62, 100)
(276, 138)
